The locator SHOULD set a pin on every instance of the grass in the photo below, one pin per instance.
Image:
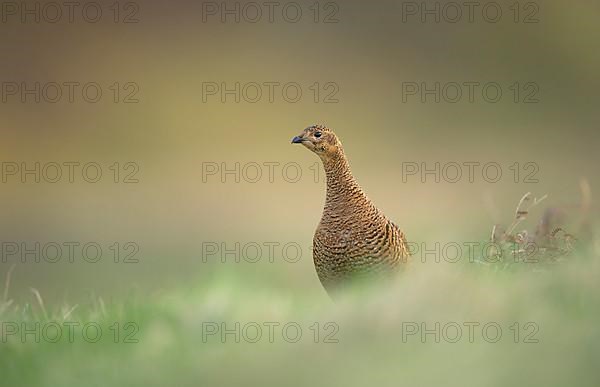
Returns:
(368, 340)
(388, 335)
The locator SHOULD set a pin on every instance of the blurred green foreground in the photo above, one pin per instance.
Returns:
(440, 324)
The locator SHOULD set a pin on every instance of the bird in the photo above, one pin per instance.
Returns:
(354, 240)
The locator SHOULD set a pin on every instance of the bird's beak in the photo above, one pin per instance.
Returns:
(297, 140)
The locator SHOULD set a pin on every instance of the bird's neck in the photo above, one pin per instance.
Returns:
(342, 188)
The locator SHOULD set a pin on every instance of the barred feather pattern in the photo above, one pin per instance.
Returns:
(353, 239)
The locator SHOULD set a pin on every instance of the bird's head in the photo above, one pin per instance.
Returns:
(319, 139)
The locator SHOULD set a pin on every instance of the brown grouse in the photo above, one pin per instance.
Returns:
(354, 239)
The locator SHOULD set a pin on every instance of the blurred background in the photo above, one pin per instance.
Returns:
(179, 59)
(179, 108)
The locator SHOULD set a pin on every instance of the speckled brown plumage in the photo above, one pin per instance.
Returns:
(353, 239)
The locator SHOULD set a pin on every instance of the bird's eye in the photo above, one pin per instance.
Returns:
(318, 134)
